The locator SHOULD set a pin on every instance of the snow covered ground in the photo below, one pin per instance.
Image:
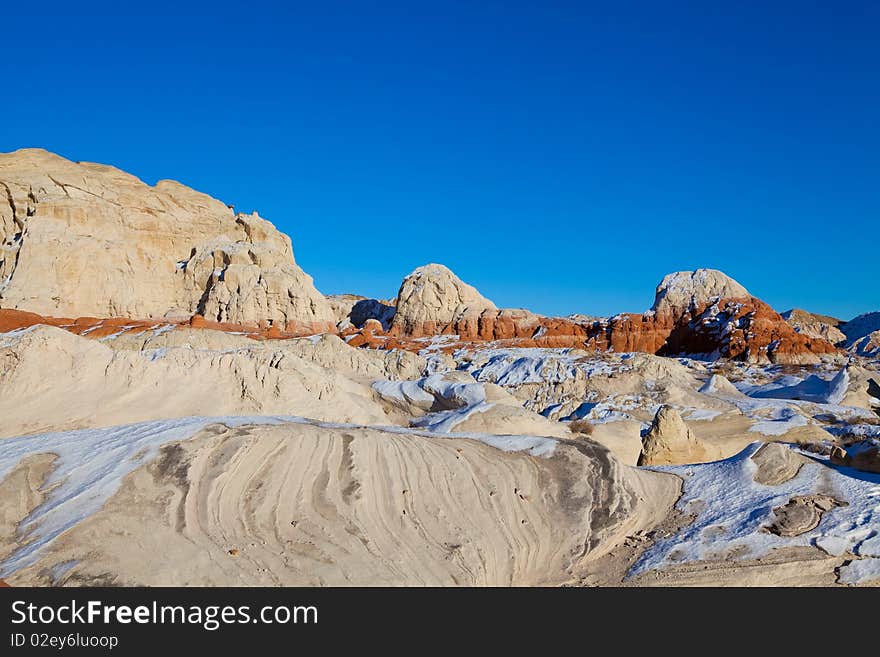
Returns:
(731, 509)
(516, 366)
(813, 388)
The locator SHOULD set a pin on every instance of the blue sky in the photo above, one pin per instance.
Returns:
(560, 156)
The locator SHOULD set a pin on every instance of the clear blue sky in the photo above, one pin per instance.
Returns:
(560, 156)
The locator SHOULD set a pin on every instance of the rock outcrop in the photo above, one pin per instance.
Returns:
(670, 441)
(684, 291)
(815, 326)
(629, 332)
(707, 312)
(776, 463)
(351, 310)
(861, 455)
(701, 312)
(868, 346)
(82, 239)
(712, 314)
(860, 326)
(718, 384)
(743, 329)
(299, 504)
(863, 334)
(432, 299)
(800, 514)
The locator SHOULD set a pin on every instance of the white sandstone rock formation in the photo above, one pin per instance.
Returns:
(254, 503)
(52, 380)
(432, 297)
(81, 239)
(683, 290)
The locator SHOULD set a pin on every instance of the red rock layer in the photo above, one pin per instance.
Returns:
(745, 329)
(97, 327)
(484, 326)
(266, 329)
(631, 332)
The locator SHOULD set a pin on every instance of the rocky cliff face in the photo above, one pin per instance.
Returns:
(868, 345)
(707, 312)
(863, 335)
(743, 329)
(84, 239)
(861, 326)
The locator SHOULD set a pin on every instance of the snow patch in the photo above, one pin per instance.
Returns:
(410, 392)
(859, 571)
(518, 366)
(731, 508)
(446, 421)
(701, 414)
(787, 420)
(812, 389)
